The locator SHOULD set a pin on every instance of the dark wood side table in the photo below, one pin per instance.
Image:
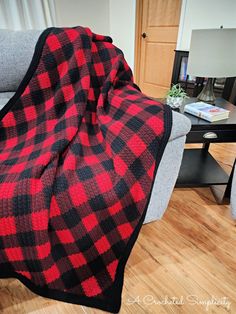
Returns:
(199, 168)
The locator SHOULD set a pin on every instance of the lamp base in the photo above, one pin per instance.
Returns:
(207, 93)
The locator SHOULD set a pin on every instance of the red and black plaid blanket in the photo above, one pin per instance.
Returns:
(79, 149)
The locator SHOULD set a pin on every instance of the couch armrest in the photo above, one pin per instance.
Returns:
(180, 127)
(17, 48)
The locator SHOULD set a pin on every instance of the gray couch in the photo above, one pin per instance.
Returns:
(16, 50)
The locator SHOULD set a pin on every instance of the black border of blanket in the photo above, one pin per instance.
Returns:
(113, 301)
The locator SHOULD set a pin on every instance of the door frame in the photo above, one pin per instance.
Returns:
(137, 47)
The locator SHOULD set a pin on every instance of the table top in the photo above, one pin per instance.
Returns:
(198, 123)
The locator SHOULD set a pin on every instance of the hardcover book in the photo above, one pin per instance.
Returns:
(206, 111)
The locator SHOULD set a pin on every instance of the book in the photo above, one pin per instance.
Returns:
(206, 111)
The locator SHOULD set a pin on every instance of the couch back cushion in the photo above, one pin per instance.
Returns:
(16, 51)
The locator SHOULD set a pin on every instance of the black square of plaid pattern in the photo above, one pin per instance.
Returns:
(22, 204)
(26, 174)
(135, 124)
(84, 243)
(22, 128)
(58, 252)
(34, 265)
(71, 218)
(26, 239)
(70, 279)
(97, 203)
(85, 173)
(137, 169)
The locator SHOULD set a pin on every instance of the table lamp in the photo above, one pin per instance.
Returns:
(212, 54)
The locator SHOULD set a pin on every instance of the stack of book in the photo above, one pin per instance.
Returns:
(206, 111)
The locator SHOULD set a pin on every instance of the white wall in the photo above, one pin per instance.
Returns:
(91, 13)
(122, 27)
(200, 14)
(117, 19)
(108, 17)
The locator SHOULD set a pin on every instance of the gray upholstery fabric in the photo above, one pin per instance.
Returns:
(3, 101)
(165, 179)
(181, 125)
(16, 51)
(169, 168)
(233, 196)
(6, 95)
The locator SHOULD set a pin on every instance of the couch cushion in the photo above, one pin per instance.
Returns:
(17, 48)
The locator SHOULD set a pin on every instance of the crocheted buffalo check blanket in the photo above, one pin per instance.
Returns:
(79, 149)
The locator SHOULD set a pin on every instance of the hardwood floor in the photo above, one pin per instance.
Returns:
(180, 264)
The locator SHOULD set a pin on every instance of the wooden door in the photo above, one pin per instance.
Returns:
(156, 37)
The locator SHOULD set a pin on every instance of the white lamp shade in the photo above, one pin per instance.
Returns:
(212, 53)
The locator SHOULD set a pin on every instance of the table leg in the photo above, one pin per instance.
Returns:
(205, 147)
(223, 196)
